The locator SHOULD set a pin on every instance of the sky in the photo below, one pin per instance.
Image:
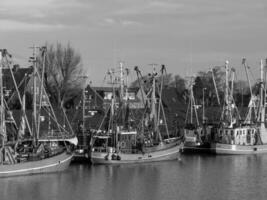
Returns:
(186, 35)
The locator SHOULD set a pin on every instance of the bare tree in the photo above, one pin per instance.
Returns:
(63, 73)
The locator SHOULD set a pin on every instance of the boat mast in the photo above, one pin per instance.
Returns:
(246, 70)
(139, 76)
(121, 81)
(203, 105)
(126, 88)
(192, 103)
(252, 105)
(2, 112)
(262, 98)
(227, 95)
(83, 103)
(40, 90)
(34, 114)
(123, 101)
(215, 87)
(112, 108)
(227, 107)
(160, 107)
(153, 100)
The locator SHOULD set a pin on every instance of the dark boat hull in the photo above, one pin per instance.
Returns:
(195, 148)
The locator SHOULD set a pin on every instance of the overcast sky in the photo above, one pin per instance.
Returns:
(185, 35)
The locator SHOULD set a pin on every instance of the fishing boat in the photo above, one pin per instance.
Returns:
(20, 156)
(250, 137)
(83, 149)
(194, 135)
(122, 142)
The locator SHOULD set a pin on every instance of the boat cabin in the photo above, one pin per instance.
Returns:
(102, 143)
(237, 136)
(127, 141)
(192, 133)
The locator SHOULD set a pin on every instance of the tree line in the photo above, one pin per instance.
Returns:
(64, 80)
(204, 84)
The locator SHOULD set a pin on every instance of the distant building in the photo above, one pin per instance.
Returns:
(101, 97)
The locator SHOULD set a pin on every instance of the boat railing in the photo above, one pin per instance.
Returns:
(56, 134)
(129, 151)
(100, 149)
(125, 150)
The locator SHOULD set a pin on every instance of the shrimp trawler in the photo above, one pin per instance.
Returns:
(135, 141)
(249, 137)
(196, 138)
(83, 149)
(26, 156)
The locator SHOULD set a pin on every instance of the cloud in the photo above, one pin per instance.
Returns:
(54, 12)
(109, 21)
(11, 25)
(129, 23)
(25, 3)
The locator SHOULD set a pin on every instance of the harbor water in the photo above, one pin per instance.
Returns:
(191, 177)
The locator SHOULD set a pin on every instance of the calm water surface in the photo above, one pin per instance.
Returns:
(193, 177)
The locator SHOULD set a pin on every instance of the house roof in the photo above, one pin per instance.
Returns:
(110, 89)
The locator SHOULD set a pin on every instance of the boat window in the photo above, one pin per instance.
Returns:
(110, 142)
(100, 142)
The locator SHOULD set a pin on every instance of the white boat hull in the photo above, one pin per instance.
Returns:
(166, 154)
(229, 149)
(48, 165)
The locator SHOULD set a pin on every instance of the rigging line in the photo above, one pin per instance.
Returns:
(236, 107)
(96, 93)
(6, 105)
(138, 73)
(47, 110)
(165, 120)
(214, 83)
(104, 80)
(13, 78)
(143, 116)
(236, 76)
(14, 92)
(187, 111)
(106, 113)
(60, 127)
(76, 112)
(50, 105)
(43, 53)
(65, 115)
(252, 75)
(194, 105)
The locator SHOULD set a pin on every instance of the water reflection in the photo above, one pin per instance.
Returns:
(194, 177)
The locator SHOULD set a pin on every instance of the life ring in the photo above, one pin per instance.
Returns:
(113, 157)
(106, 157)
